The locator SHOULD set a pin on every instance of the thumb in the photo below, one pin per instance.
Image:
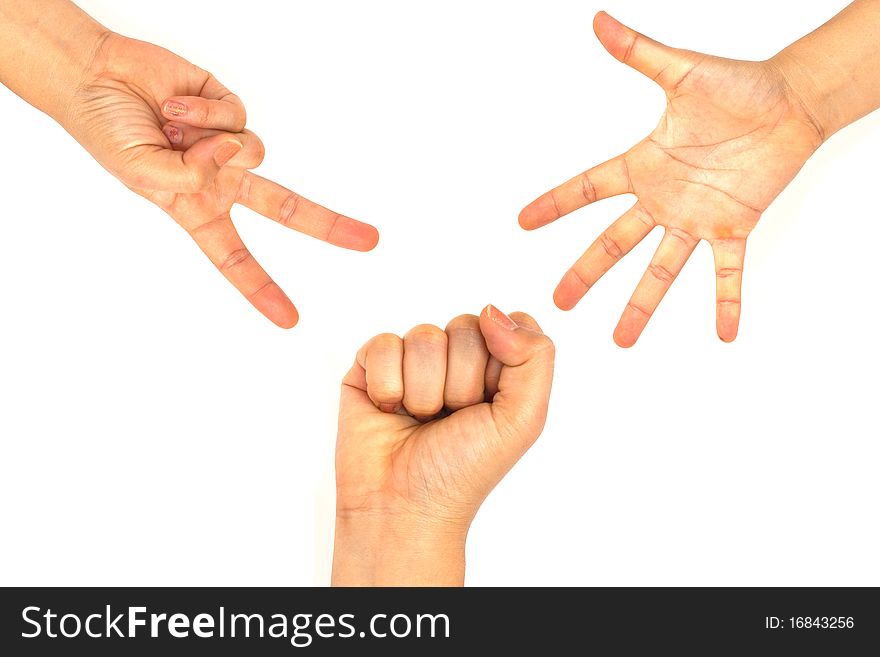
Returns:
(666, 66)
(526, 355)
(188, 171)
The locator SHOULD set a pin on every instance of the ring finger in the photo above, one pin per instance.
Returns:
(181, 137)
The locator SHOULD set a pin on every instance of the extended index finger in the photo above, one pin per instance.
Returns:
(603, 181)
(292, 210)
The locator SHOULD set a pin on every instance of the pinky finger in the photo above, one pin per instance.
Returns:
(729, 257)
(219, 240)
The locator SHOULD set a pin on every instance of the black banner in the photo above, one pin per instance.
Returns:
(284, 621)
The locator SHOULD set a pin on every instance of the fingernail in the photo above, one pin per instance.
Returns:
(174, 108)
(226, 152)
(175, 136)
(500, 318)
(388, 408)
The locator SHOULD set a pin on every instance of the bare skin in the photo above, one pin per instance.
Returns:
(733, 135)
(168, 130)
(428, 425)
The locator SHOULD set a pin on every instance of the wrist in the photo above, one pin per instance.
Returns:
(397, 549)
(46, 49)
(77, 71)
(807, 94)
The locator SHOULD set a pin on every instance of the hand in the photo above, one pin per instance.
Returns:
(732, 137)
(428, 425)
(173, 134)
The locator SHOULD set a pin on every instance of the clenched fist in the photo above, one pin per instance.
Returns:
(428, 425)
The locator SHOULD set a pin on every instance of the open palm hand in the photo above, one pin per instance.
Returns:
(732, 137)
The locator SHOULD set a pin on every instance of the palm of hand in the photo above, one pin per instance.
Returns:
(729, 142)
(117, 114)
(732, 137)
(192, 211)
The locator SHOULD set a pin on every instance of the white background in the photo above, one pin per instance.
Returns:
(156, 430)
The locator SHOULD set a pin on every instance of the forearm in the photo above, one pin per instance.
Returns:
(835, 70)
(44, 49)
(380, 551)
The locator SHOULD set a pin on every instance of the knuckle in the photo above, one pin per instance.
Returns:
(384, 380)
(386, 341)
(262, 288)
(135, 179)
(582, 276)
(332, 225)
(244, 189)
(466, 321)
(240, 115)
(197, 180)
(683, 235)
(610, 246)
(545, 347)
(422, 407)
(235, 259)
(428, 334)
(134, 171)
(204, 113)
(727, 272)
(661, 273)
(462, 399)
(385, 391)
(164, 200)
(627, 55)
(644, 215)
(259, 151)
(556, 209)
(587, 189)
(288, 209)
